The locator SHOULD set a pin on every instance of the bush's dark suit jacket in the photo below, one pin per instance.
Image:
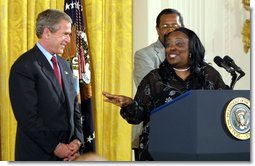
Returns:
(45, 114)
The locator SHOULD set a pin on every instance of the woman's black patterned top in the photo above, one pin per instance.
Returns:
(161, 86)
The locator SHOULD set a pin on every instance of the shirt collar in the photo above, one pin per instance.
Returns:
(45, 52)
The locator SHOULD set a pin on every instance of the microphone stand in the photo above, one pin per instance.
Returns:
(234, 79)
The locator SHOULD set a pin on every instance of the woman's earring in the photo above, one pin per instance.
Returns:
(189, 55)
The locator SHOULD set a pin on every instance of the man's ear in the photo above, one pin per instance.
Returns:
(157, 28)
(46, 32)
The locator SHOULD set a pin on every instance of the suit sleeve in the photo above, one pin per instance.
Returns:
(78, 122)
(77, 117)
(143, 64)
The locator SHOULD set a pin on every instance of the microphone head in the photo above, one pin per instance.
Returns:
(218, 60)
(227, 59)
(221, 63)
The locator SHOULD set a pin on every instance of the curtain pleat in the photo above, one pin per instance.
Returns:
(109, 30)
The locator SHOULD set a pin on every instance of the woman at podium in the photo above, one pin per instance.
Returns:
(184, 69)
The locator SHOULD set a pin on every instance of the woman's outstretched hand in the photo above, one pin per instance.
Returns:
(118, 100)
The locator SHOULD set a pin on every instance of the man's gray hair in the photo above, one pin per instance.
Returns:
(50, 18)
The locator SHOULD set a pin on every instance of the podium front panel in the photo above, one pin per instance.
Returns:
(192, 127)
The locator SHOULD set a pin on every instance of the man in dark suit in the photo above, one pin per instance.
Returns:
(43, 95)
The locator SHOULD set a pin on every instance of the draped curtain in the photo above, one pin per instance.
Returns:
(109, 31)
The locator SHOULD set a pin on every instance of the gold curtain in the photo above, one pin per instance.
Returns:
(109, 30)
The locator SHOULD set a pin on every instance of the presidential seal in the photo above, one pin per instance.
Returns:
(237, 118)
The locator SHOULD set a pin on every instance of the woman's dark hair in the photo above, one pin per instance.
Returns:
(169, 11)
(196, 53)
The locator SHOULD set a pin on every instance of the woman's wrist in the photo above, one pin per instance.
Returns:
(127, 102)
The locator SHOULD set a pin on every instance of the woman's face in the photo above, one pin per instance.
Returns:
(177, 50)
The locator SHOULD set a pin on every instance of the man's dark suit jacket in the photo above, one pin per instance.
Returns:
(46, 115)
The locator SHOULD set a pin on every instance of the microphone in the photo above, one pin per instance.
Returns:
(221, 63)
(229, 61)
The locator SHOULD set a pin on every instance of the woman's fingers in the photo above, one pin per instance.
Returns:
(118, 100)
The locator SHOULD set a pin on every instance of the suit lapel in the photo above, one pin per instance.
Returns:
(160, 50)
(64, 74)
(49, 72)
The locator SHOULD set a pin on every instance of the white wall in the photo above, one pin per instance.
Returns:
(218, 23)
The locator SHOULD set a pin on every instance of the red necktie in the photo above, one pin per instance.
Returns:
(56, 70)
